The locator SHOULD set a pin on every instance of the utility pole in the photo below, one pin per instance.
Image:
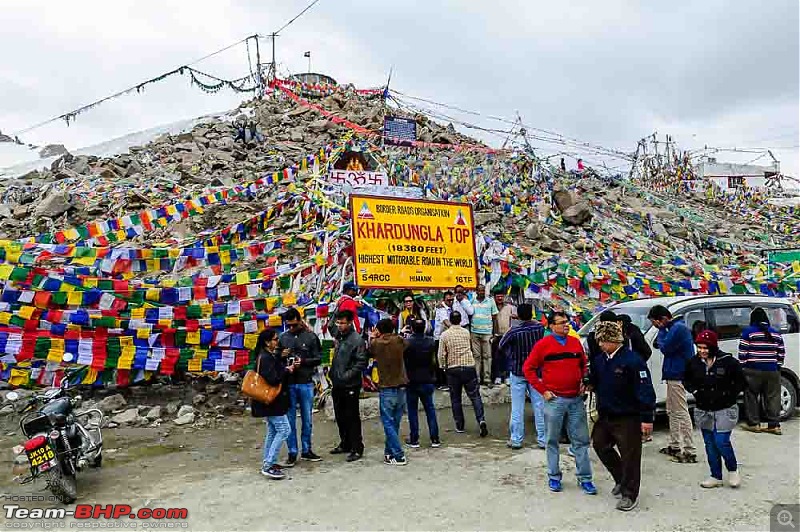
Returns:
(274, 68)
(260, 80)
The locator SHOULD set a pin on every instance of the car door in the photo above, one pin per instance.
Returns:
(691, 315)
(784, 319)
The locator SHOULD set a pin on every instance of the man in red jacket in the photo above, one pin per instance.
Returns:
(556, 368)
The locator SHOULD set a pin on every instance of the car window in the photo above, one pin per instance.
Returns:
(696, 321)
(781, 320)
(730, 321)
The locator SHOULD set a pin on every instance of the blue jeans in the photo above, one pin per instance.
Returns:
(718, 448)
(574, 409)
(415, 393)
(392, 403)
(302, 395)
(516, 425)
(277, 432)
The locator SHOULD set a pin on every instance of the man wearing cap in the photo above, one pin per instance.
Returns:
(348, 302)
(625, 406)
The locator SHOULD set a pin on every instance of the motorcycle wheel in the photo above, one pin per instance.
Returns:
(62, 485)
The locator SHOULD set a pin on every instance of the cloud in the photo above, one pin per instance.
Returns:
(609, 72)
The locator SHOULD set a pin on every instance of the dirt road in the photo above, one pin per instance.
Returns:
(468, 484)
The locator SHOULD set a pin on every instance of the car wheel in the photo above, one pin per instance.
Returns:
(788, 398)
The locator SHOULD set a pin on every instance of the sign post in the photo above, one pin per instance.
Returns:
(412, 244)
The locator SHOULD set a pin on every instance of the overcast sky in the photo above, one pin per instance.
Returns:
(720, 73)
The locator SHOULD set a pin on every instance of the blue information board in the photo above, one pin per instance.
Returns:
(399, 131)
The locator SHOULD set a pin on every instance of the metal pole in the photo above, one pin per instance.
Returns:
(274, 67)
(309, 62)
(259, 81)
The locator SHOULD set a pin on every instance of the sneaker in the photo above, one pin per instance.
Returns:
(514, 446)
(684, 458)
(773, 430)
(750, 428)
(484, 429)
(391, 460)
(460, 431)
(626, 504)
(339, 450)
(617, 491)
(711, 482)
(291, 461)
(353, 456)
(444, 388)
(541, 446)
(670, 451)
(273, 472)
(435, 443)
(554, 485)
(588, 487)
(734, 479)
(412, 444)
(311, 457)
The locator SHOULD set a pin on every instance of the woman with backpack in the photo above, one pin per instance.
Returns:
(761, 352)
(276, 371)
(715, 379)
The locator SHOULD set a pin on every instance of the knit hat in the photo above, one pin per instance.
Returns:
(608, 331)
(708, 338)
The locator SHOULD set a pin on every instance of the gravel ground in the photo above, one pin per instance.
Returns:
(468, 484)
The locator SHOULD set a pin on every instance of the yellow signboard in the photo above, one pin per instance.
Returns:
(414, 244)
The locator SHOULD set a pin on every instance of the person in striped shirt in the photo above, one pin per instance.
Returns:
(515, 346)
(761, 352)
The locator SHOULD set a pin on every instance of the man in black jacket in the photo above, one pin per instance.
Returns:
(625, 406)
(420, 356)
(346, 371)
(299, 343)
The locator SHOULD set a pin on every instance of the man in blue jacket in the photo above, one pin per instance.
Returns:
(675, 342)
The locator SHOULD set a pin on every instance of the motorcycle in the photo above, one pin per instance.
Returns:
(61, 441)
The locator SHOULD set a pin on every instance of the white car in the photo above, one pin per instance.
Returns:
(727, 316)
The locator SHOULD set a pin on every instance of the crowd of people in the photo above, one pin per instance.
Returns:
(472, 338)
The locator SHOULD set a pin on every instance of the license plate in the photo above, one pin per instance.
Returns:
(40, 456)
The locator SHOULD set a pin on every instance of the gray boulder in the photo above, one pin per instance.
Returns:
(53, 205)
(128, 417)
(185, 419)
(185, 409)
(112, 403)
(52, 149)
(154, 413)
(578, 214)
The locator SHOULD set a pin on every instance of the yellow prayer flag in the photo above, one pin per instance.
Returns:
(125, 341)
(195, 364)
(242, 278)
(165, 322)
(250, 341)
(19, 377)
(5, 271)
(193, 337)
(142, 334)
(137, 313)
(90, 377)
(152, 294)
(75, 298)
(201, 353)
(26, 312)
(5, 318)
(90, 282)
